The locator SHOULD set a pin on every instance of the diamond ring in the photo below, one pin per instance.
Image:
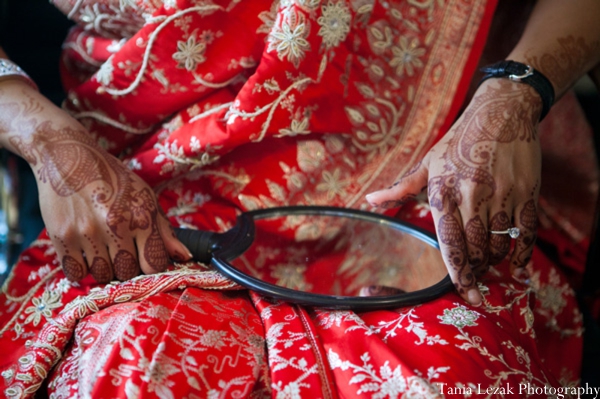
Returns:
(513, 232)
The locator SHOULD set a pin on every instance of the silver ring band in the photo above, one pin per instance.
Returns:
(513, 232)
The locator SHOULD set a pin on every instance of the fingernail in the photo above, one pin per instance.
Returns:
(369, 198)
(474, 297)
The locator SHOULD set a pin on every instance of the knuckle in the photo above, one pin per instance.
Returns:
(65, 233)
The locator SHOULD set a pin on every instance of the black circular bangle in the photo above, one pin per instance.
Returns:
(519, 72)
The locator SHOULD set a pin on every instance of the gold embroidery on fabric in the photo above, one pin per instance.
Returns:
(476, 343)
(553, 296)
(383, 381)
(146, 61)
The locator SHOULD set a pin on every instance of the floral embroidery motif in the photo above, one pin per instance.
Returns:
(105, 73)
(333, 184)
(384, 382)
(459, 317)
(407, 56)
(43, 306)
(335, 23)
(289, 39)
(190, 53)
(392, 328)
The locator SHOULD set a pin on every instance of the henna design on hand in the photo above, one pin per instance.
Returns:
(499, 243)
(68, 160)
(142, 211)
(66, 163)
(101, 270)
(444, 192)
(72, 268)
(126, 266)
(501, 119)
(495, 116)
(528, 223)
(154, 251)
(450, 234)
(477, 242)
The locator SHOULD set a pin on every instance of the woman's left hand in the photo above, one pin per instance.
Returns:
(483, 176)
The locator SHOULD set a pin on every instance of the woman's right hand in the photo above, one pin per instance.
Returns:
(101, 217)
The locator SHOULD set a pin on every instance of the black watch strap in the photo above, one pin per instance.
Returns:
(519, 72)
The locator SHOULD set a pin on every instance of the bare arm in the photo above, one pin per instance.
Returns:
(562, 40)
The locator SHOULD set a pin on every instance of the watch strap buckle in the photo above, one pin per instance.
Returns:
(517, 78)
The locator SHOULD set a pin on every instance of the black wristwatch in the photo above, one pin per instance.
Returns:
(519, 72)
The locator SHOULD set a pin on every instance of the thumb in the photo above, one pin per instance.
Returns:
(405, 189)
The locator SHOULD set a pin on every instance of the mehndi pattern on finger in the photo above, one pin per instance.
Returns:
(477, 242)
(154, 251)
(69, 160)
(499, 244)
(73, 269)
(101, 270)
(528, 219)
(451, 235)
(126, 265)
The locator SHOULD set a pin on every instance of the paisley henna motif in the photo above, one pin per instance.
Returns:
(444, 192)
(567, 61)
(142, 208)
(493, 117)
(66, 163)
(68, 168)
(69, 160)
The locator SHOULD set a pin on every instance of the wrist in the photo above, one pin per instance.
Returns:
(11, 71)
(510, 98)
(523, 74)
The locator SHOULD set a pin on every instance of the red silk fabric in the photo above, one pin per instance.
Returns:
(225, 106)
